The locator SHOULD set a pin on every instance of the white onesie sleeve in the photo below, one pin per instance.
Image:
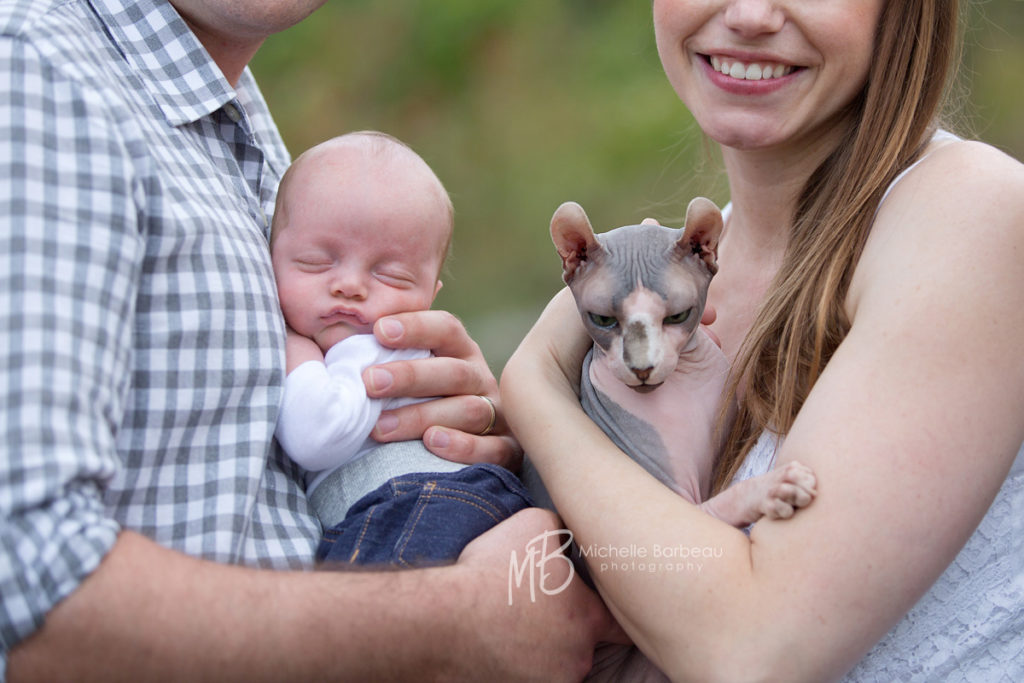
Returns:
(326, 415)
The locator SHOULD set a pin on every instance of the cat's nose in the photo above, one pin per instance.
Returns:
(643, 373)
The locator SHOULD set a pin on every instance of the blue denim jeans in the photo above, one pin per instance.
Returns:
(424, 519)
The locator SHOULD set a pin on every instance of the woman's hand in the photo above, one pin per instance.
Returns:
(466, 423)
(548, 363)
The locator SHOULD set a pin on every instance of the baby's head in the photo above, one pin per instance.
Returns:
(361, 230)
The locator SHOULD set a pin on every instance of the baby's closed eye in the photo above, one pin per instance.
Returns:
(395, 278)
(313, 265)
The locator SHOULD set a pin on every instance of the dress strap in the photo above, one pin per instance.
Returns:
(939, 136)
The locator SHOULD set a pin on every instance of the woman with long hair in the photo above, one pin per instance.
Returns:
(870, 297)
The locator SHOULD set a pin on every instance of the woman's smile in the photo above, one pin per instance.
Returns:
(763, 75)
(746, 76)
(753, 71)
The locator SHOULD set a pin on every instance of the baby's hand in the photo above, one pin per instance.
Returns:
(299, 349)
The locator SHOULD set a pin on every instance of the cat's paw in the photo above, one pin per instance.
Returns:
(793, 487)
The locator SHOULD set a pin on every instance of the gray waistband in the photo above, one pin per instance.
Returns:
(332, 498)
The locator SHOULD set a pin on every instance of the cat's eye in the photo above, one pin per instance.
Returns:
(605, 321)
(678, 318)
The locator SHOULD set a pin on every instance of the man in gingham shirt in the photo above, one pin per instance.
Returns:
(141, 357)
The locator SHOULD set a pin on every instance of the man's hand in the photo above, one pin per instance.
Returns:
(550, 639)
(465, 424)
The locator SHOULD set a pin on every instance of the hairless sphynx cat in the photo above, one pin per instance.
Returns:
(640, 291)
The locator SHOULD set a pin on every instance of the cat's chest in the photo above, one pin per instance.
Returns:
(681, 415)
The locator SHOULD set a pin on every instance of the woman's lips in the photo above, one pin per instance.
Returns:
(749, 70)
(747, 76)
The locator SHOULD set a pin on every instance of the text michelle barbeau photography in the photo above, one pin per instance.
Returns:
(546, 565)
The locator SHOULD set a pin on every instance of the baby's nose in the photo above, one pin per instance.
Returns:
(348, 285)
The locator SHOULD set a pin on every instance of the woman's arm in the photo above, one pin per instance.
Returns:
(917, 411)
(614, 507)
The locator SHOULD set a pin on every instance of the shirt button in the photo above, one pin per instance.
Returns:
(232, 112)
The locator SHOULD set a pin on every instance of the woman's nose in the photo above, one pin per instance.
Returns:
(751, 18)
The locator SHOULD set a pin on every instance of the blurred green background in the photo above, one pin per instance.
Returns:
(520, 105)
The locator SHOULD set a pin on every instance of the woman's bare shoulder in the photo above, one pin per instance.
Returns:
(963, 203)
(958, 180)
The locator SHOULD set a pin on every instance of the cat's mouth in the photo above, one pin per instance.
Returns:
(645, 388)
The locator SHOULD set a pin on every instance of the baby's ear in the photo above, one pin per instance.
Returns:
(573, 237)
(701, 232)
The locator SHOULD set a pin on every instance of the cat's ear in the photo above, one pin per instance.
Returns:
(701, 232)
(573, 237)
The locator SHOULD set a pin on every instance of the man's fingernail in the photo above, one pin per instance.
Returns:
(439, 439)
(392, 329)
(387, 424)
(380, 379)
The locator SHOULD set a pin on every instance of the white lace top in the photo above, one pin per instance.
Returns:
(970, 625)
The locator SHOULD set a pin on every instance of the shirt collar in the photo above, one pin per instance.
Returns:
(174, 66)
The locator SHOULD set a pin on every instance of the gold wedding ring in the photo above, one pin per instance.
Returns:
(494, 417)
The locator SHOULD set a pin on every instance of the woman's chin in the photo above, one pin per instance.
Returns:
(746, 138)
(745, 130)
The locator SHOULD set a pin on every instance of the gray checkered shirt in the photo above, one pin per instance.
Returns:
(141, 343)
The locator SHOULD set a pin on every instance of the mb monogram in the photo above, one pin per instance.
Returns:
(542, 550)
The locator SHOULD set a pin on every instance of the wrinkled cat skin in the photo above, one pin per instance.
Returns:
(641, 291)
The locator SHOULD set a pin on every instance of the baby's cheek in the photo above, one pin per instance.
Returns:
(298, 312)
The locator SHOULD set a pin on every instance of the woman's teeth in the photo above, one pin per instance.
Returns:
(749, 72)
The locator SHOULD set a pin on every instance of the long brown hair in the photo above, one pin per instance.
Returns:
(803, 319)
